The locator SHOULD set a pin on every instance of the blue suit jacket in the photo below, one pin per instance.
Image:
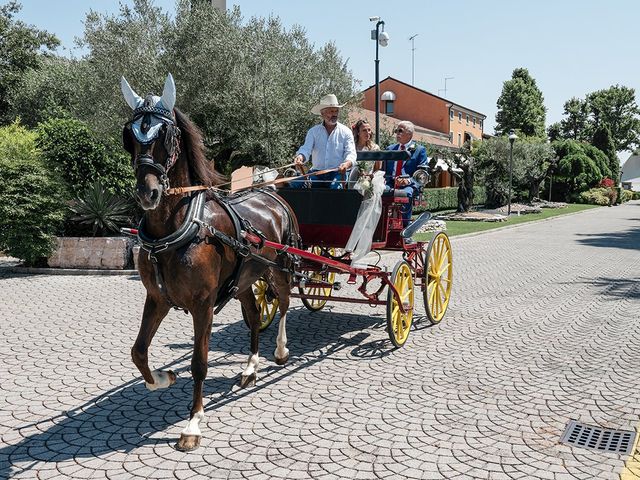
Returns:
(418, 159)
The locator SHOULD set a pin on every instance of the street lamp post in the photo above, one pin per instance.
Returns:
(512, 138)
(382, 40)
(552, 169)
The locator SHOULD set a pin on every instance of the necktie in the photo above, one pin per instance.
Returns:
(399, 164)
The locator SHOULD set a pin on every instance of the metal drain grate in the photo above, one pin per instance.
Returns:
(597, 438)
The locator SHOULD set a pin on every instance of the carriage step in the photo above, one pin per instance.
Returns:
(415, 225)
(352, 279)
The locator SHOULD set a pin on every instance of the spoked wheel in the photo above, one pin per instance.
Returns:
(438, 279)
(267, 305)
(398, 323)
(329, 277)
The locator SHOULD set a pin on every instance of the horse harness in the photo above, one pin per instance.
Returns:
(188, 231)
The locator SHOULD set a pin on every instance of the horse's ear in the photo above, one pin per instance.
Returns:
(132, 98)
(127, 141)
(169, 93)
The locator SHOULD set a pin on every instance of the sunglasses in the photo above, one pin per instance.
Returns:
(399, 130)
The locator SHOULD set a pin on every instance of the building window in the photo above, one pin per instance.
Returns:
(451, 136)
(480, 124)
(451, 114)
(388, 107)
(467, 119)
(459, 116)
(459, 139)
(474, 121)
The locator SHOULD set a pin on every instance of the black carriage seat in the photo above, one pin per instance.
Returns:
(323, 206)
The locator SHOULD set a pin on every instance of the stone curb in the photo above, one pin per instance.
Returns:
(69, 271)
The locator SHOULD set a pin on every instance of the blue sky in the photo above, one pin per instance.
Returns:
(570, 47)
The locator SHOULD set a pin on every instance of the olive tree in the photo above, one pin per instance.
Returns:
(248, 84)
(531, 162)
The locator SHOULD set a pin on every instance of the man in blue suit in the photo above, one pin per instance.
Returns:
(398, 175)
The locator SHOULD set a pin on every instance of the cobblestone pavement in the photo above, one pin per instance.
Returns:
(543, 328)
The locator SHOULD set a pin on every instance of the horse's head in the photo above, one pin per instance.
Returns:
(153, 140)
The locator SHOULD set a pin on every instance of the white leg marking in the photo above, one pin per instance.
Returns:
(192, 427)
(281, 342)
(160, 380)
(252, 365)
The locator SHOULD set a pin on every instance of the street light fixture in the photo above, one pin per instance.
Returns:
(382, 40)
(512, 138)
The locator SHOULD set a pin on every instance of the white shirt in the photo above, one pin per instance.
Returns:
(328, 151)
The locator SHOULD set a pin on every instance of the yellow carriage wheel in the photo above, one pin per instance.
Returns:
(398, 323)
(438, 280)
(267, 306)
(329, 277)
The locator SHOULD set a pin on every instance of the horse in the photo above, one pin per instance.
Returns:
(193, 256)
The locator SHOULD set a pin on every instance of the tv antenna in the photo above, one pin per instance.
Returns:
(413, 49)
(445, 86)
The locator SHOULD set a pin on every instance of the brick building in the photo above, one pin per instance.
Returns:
(438, 121)
(406, 102)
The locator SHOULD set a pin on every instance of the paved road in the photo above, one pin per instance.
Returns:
(543, 328)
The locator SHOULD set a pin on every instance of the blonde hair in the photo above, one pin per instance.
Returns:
(370, 145)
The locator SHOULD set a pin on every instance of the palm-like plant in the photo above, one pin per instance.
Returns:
(101, 210)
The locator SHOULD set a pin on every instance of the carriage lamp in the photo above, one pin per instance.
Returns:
(421, 176)
(512, 138)
(382, 39)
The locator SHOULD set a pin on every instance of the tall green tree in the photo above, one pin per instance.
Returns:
(603, 141)
(20, 50)
(521, 106)
(576, 124)
(616, 108)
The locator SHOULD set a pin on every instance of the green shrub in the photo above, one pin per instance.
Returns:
(636, 195)
(479, 195)
(595, 196)
(31, 197)
(626, 195)
(71, 150)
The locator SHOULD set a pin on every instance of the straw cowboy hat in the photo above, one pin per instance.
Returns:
(328, 101)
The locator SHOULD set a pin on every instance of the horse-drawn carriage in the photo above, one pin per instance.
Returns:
(202, 246)
(426, 267)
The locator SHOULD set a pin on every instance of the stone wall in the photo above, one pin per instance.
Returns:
(109, 253)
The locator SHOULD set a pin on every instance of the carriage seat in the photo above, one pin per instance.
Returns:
(394, 193)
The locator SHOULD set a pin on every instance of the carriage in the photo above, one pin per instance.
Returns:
(201, 246)
(425, 267)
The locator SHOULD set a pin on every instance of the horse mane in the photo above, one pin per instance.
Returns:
(201, 168)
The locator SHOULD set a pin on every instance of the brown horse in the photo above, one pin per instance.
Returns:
(192, 257)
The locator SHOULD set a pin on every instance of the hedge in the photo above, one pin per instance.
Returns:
(447, 198)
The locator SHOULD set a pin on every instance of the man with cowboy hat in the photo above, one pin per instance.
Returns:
(329, 144)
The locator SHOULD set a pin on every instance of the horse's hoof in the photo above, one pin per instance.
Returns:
(248, 381)
(188, 443)
(283, 360)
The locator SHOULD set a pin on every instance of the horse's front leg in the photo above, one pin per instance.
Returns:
(250, 373)
(154, 312)
(191, 435)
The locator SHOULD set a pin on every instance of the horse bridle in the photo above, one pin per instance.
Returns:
(171, 142)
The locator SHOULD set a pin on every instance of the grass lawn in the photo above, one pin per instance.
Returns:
(461, 227)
